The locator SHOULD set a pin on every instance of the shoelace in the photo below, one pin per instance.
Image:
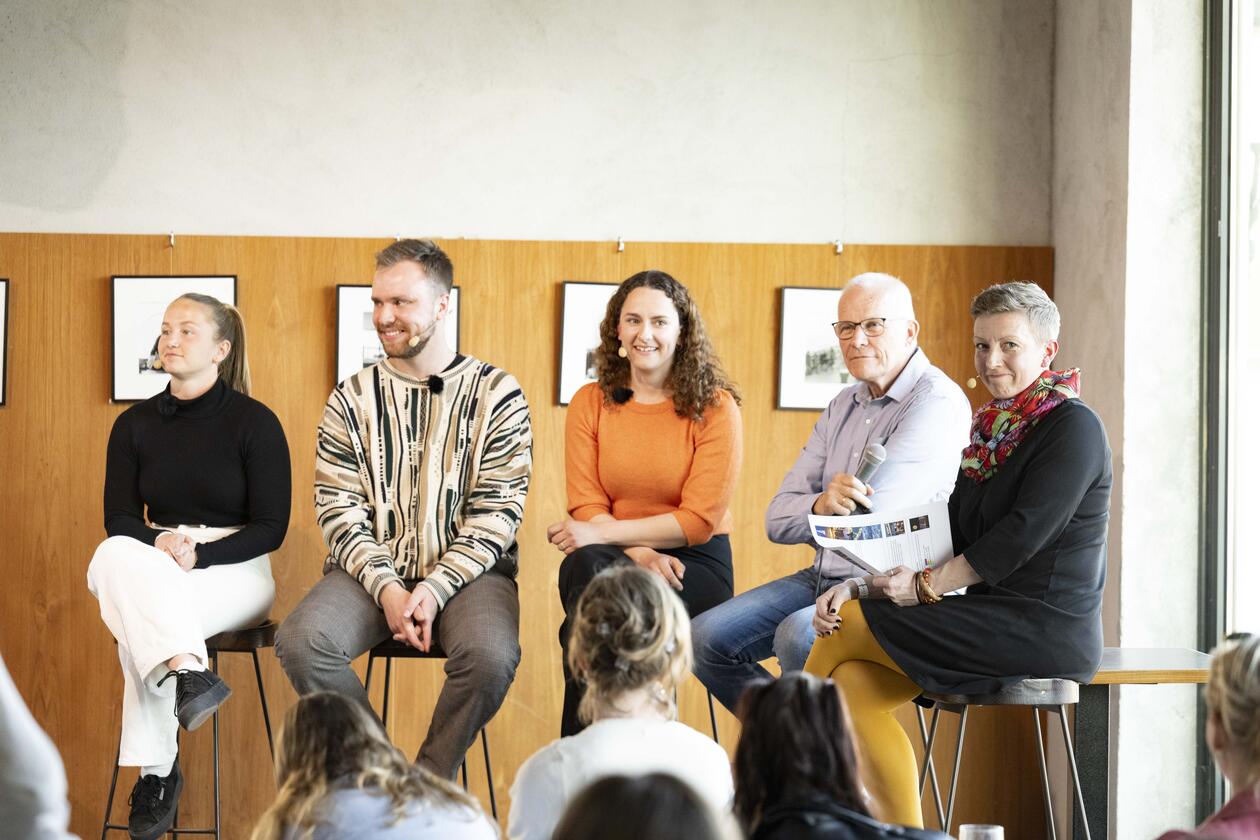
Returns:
(147, 795)
(188, 684)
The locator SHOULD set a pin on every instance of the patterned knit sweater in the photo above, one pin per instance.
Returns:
(415, 484)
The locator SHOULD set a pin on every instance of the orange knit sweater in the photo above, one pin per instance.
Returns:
(633, 461)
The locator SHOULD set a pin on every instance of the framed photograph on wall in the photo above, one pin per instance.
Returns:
(582, 308)
(138, 304)
(4, 340)
(811, 366)
(357, 343)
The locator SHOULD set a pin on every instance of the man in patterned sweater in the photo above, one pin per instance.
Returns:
(422, 465)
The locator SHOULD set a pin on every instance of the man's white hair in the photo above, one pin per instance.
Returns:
(891, 289)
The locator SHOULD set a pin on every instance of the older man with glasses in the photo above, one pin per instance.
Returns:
(902, 402)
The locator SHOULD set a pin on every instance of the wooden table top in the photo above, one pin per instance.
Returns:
(1151, 666)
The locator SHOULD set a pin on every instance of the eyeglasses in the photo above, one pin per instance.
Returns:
(871, 327)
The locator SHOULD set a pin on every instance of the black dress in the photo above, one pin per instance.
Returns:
(1036, 533)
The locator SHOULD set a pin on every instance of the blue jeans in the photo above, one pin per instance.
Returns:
(775, 618)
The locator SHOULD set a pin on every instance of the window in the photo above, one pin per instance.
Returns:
(1242, 279)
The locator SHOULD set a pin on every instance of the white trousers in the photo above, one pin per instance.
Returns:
(156, 611)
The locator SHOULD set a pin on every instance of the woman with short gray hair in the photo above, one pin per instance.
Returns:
(1028, 517)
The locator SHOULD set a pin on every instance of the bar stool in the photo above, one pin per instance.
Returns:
(389, 650)
(1040, 695)
(250, 641)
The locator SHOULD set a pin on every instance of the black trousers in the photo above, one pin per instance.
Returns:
(709, 580)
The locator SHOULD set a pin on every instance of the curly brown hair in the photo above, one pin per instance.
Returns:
(696, 375)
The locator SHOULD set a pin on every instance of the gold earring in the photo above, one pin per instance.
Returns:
(621, 351)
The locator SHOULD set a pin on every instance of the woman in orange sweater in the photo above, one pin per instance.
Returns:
(652, 451)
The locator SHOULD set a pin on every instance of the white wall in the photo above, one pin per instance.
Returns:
(1127, 201)
(894, 121)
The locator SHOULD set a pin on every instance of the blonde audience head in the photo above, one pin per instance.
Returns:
(1233, 705)
(631, 637)
(329, 742)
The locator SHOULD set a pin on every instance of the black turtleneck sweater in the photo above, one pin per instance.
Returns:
(218, 460)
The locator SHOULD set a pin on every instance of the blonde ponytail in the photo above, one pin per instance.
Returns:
(229, 327)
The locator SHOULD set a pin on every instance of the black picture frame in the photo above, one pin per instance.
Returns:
(4, 340)
(354, 326)
(139, 299)
(582, 308)
(811, 368)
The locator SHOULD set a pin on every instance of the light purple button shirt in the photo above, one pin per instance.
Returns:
(923, 421)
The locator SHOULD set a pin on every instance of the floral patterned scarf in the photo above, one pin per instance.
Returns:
(999, 426)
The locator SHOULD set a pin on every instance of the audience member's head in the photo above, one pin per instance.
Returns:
(794, 746)
(1233, 704)
(657, 805)
(631, 637)
(328, 742)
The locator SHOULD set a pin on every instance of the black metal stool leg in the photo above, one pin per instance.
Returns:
(389, 664)
(175, 821)
(713, 717)
(106, 825)
(485, 750)
(262, 700)
(218, 825)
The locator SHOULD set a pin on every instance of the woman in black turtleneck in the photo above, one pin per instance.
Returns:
(197, 491)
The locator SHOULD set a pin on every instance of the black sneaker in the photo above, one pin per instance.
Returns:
(154, 801)
(197, 695)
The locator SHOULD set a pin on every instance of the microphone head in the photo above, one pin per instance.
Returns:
(872, 457)
(875, 453)
(435, 383)
(622, 395)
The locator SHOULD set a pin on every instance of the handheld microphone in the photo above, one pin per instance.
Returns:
(872, 458)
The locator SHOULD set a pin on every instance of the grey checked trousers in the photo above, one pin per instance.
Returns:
(478, 630)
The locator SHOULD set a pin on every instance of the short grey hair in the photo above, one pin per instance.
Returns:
(1028, 298)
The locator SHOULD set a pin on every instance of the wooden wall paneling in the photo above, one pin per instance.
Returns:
(52, 639)
(55, 428)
